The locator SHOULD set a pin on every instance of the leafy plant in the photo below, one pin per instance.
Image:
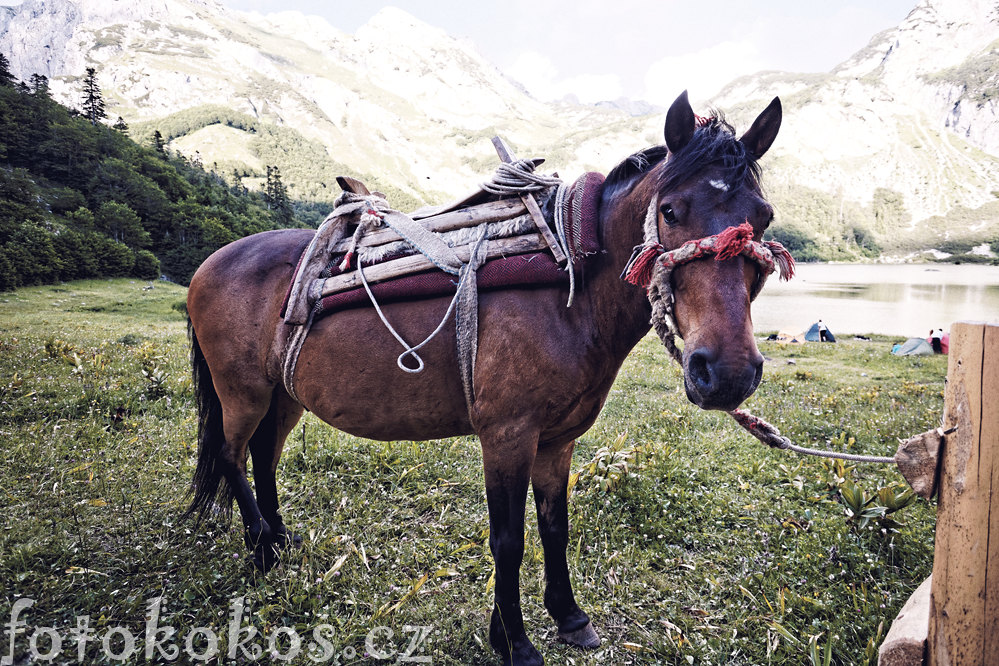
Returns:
(859, 509)
(610, 466)
(153, 372)
(862, 509)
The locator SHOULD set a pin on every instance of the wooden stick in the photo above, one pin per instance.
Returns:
(532, 205)
(905, 643)
(417, 263)
(353, 185)
(493, 211)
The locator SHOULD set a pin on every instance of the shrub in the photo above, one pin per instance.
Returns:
(116, 259)
(32, 255)
(147, 266)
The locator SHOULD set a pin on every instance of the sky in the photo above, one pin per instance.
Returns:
(640, 49)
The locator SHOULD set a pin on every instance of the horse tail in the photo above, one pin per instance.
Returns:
(209, 490)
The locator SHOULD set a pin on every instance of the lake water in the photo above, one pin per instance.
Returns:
(903, 300)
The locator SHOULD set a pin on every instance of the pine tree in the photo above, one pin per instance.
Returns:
(40, 85)
(269, 187)
(6, 78)
(276, 197)
(158, 143)
(121, 125)
(93, 101)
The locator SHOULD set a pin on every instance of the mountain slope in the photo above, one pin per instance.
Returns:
(884, 147)
(400, 98)
(914, 113)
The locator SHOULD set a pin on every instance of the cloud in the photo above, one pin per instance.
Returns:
(541, 77)
(703, 73)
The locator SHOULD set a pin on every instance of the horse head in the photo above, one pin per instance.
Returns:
(708, 214)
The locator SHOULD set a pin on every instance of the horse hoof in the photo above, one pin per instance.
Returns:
(288, 540)
(293, 540)
(585, 638)
(265, 557)
(523, 653)
(525, 658)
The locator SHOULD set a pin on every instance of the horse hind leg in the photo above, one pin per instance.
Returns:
(550, 479)
(225, 426)
(266, 446)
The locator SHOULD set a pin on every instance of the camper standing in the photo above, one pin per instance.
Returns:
(823, 332)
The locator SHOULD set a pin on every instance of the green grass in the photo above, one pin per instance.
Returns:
(690, 541)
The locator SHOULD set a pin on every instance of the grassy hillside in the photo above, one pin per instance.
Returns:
(690, 541)
(308, 170)
(81, 199)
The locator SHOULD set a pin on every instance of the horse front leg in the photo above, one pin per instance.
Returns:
(550, 478)
(507, 463)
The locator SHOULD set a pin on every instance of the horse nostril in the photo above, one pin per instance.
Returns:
(699, 370)
(758, 373)
(711, 384)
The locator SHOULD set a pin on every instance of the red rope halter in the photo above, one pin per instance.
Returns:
(730, 243)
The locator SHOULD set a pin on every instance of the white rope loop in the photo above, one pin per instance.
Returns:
(410, 349)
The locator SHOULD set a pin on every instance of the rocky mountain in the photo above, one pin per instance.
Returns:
(900, 143)
(915, 113)
(400, 98)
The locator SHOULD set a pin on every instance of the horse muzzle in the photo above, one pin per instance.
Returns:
(717, 383)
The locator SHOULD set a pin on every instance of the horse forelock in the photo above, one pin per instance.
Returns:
(713, 145)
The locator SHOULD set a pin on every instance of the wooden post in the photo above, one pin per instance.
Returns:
(964, 606)
(957, 623)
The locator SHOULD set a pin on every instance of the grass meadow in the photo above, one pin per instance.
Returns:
(691, 542)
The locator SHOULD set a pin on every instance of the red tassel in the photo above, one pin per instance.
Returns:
(347, 260)
(732, 241)
(783, 259)
(640, 272)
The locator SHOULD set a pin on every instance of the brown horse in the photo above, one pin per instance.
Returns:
(542, 373)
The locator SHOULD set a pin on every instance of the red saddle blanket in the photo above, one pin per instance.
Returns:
(537, 268)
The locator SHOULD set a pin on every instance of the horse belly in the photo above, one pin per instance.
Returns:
(347, 375)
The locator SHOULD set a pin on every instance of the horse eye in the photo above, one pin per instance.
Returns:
(667, 212)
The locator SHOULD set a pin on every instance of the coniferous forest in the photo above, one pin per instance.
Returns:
(80, 199)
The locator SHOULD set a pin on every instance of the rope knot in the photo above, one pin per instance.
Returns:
(370, 218)
(731, 242)
(518, 178)
(639, 271)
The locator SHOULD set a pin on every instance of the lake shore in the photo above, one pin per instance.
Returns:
(904, 300)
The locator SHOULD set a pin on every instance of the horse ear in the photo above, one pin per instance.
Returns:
(679, 123)
(761, 135)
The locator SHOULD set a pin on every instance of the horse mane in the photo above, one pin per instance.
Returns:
(633, 166)
(713, 143)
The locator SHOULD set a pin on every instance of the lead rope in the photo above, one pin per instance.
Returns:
(651, 266)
